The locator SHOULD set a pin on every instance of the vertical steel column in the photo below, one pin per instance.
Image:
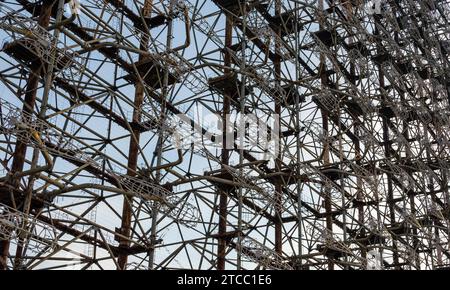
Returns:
(278, 186)
(133, 149)
(47, 87)
(223, 194)
(29, 102)
(359, 182)
(298, 144)
(326, 149)
(387, 150)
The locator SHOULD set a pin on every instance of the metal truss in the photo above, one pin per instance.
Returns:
(94, 175)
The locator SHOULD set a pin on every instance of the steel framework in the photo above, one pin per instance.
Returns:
(94, 177)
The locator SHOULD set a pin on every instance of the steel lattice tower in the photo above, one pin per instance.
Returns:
(92, 174)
